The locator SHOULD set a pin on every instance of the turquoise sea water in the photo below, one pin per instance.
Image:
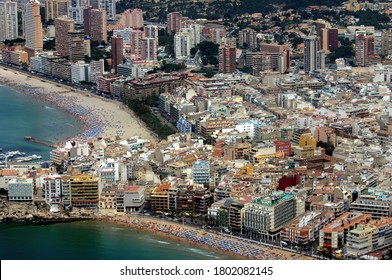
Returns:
(90, 240)
(22, 115)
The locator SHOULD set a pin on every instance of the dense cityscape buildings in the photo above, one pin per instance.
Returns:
(274, 126)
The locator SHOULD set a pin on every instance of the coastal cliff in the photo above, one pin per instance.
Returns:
(38, 212)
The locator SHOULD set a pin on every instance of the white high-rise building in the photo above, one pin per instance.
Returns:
(110, 7)
(76, 11)
(8, 20)
(149, 49)
(194, 34)
(32, 27)
(182, 46)
(125, 34)
(80, 71)
(314, 59)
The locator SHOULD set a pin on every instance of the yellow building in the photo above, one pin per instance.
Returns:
(84, 190)
(353, 6)
(306, 146)
(159, 198)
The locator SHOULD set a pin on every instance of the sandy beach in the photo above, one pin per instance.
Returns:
(235, 248)
(100, 117)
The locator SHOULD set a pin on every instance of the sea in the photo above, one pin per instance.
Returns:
(91, 240)
(23, 115)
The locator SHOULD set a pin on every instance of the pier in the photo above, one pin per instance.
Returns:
(40, 142)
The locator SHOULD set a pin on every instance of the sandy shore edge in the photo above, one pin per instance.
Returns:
(199, 238)
(99, 117)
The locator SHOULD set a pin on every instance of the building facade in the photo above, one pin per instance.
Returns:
(8, 20)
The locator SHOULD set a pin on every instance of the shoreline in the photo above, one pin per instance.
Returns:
(207, 240)
(188, 235)
(98, 117)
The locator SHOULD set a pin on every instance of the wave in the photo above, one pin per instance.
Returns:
(163, 242)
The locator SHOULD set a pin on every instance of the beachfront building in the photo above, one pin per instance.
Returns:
(56, 8)
(62, 26)
(159, 198)
(97, 69)
(150, 85)
(104, 82)
(134, 198)
(84, 191)
(7, 175)
(53, 189)
(32, 28)
(107, 200)
(304, 230)
(369, 237)
(266, 216)
(8, 20)
(61, 69)
(334, 235)
(20, 189)
(117, 51)
(375, 202)
(80, 71)
(15, 57)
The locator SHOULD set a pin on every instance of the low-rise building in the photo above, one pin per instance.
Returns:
(369, 237)
(20, 189)
(334, 235)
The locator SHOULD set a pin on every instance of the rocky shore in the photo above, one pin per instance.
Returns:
(38, 212)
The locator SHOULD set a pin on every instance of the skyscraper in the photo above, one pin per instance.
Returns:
(76, 46)
(151, 31)
(110, 7)
(63, 25)
(247, 38)
(87, 20)
(32, 28)
(117, 51)
(8, 20)
(314, 59)
(227, 58)
(333, 39)
(182, 48)
(56, 8)
(174, 22)
(386, 43)
(98, 25)
(136, 43)
(76, 11)
(133, 18)
(364, 50)
(149, 49)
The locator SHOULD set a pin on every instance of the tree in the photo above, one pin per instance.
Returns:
(328, 146)
(209, 73)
